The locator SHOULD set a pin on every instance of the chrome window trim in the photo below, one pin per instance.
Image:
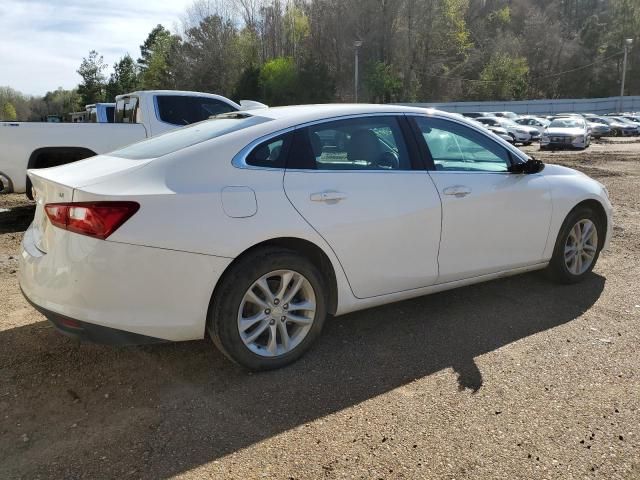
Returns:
(240, 159)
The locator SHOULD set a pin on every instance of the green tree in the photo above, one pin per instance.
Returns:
(9, 112)
(383, 82)
(248, 85)
(504, 78)
(156, 73)
(279, 80)
(296, 28)
(156, 38)
(92, 87)
(124, 78)
(315, 83)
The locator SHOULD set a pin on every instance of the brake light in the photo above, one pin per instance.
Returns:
(95, 219)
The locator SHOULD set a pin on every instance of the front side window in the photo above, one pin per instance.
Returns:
(455, 147)
(185, 110)
(365, 143)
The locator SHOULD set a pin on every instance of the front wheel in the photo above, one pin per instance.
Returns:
(269, 309)
(577, 247)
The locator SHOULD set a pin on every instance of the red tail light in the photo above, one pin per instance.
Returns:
(95, 219)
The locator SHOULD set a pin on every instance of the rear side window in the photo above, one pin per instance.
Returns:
(271, 153)
(127, 110)
(365, 143)
(184, 110)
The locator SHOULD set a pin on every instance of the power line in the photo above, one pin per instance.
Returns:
(474, 80)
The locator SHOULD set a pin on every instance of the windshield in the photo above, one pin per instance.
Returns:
(188, 136)
(565, 123)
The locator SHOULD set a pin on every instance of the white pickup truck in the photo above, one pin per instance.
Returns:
(138, 115)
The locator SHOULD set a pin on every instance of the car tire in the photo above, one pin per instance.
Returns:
(230, 298)
(563, 268)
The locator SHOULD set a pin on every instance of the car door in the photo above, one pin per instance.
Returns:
(358, 182)
(492, 220)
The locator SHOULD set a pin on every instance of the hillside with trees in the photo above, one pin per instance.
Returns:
(302, 51)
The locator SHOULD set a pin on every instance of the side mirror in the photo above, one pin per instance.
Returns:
(530, 166)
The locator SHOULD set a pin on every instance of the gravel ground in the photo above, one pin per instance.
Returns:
(516, 378)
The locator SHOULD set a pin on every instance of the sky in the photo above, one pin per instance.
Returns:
(42, 42)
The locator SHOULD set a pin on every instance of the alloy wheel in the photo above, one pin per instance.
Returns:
(581, 247)
(276, 313)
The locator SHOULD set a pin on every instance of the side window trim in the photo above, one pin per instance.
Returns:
(428, 158)
(240, 159)
(287, 140)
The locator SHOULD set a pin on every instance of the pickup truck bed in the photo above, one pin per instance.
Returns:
(20, 145)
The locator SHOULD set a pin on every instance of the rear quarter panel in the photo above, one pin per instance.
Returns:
(181, 206)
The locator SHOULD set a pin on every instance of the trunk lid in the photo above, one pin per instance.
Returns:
(59, 184)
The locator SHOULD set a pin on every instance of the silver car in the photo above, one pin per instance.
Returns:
(532, 121)
(518, 133)
(566, 132)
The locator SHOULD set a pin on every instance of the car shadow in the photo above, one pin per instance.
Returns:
(161, 410)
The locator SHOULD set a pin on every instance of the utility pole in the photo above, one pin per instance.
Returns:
(627, 44)
(357, 44)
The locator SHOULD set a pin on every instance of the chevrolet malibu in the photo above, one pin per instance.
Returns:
(252, 227)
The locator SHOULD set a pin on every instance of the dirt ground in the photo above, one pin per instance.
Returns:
(517, 378)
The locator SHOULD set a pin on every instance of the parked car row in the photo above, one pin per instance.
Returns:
(564, 130)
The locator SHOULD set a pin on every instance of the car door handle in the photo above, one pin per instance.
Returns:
(457, 191)
(328, 196)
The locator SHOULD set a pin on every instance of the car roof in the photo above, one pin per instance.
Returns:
(321, 111)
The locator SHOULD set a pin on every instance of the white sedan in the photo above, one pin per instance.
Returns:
(566, 132)
(252, 227)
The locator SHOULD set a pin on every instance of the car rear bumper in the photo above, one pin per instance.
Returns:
(90, 332)
(105, 286)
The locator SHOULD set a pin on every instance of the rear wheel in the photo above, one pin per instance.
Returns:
(269, 309)
(577, 247)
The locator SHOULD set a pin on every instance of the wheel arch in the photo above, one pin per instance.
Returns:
(601, 213)
(309, 250)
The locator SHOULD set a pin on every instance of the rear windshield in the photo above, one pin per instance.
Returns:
(187, 136)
